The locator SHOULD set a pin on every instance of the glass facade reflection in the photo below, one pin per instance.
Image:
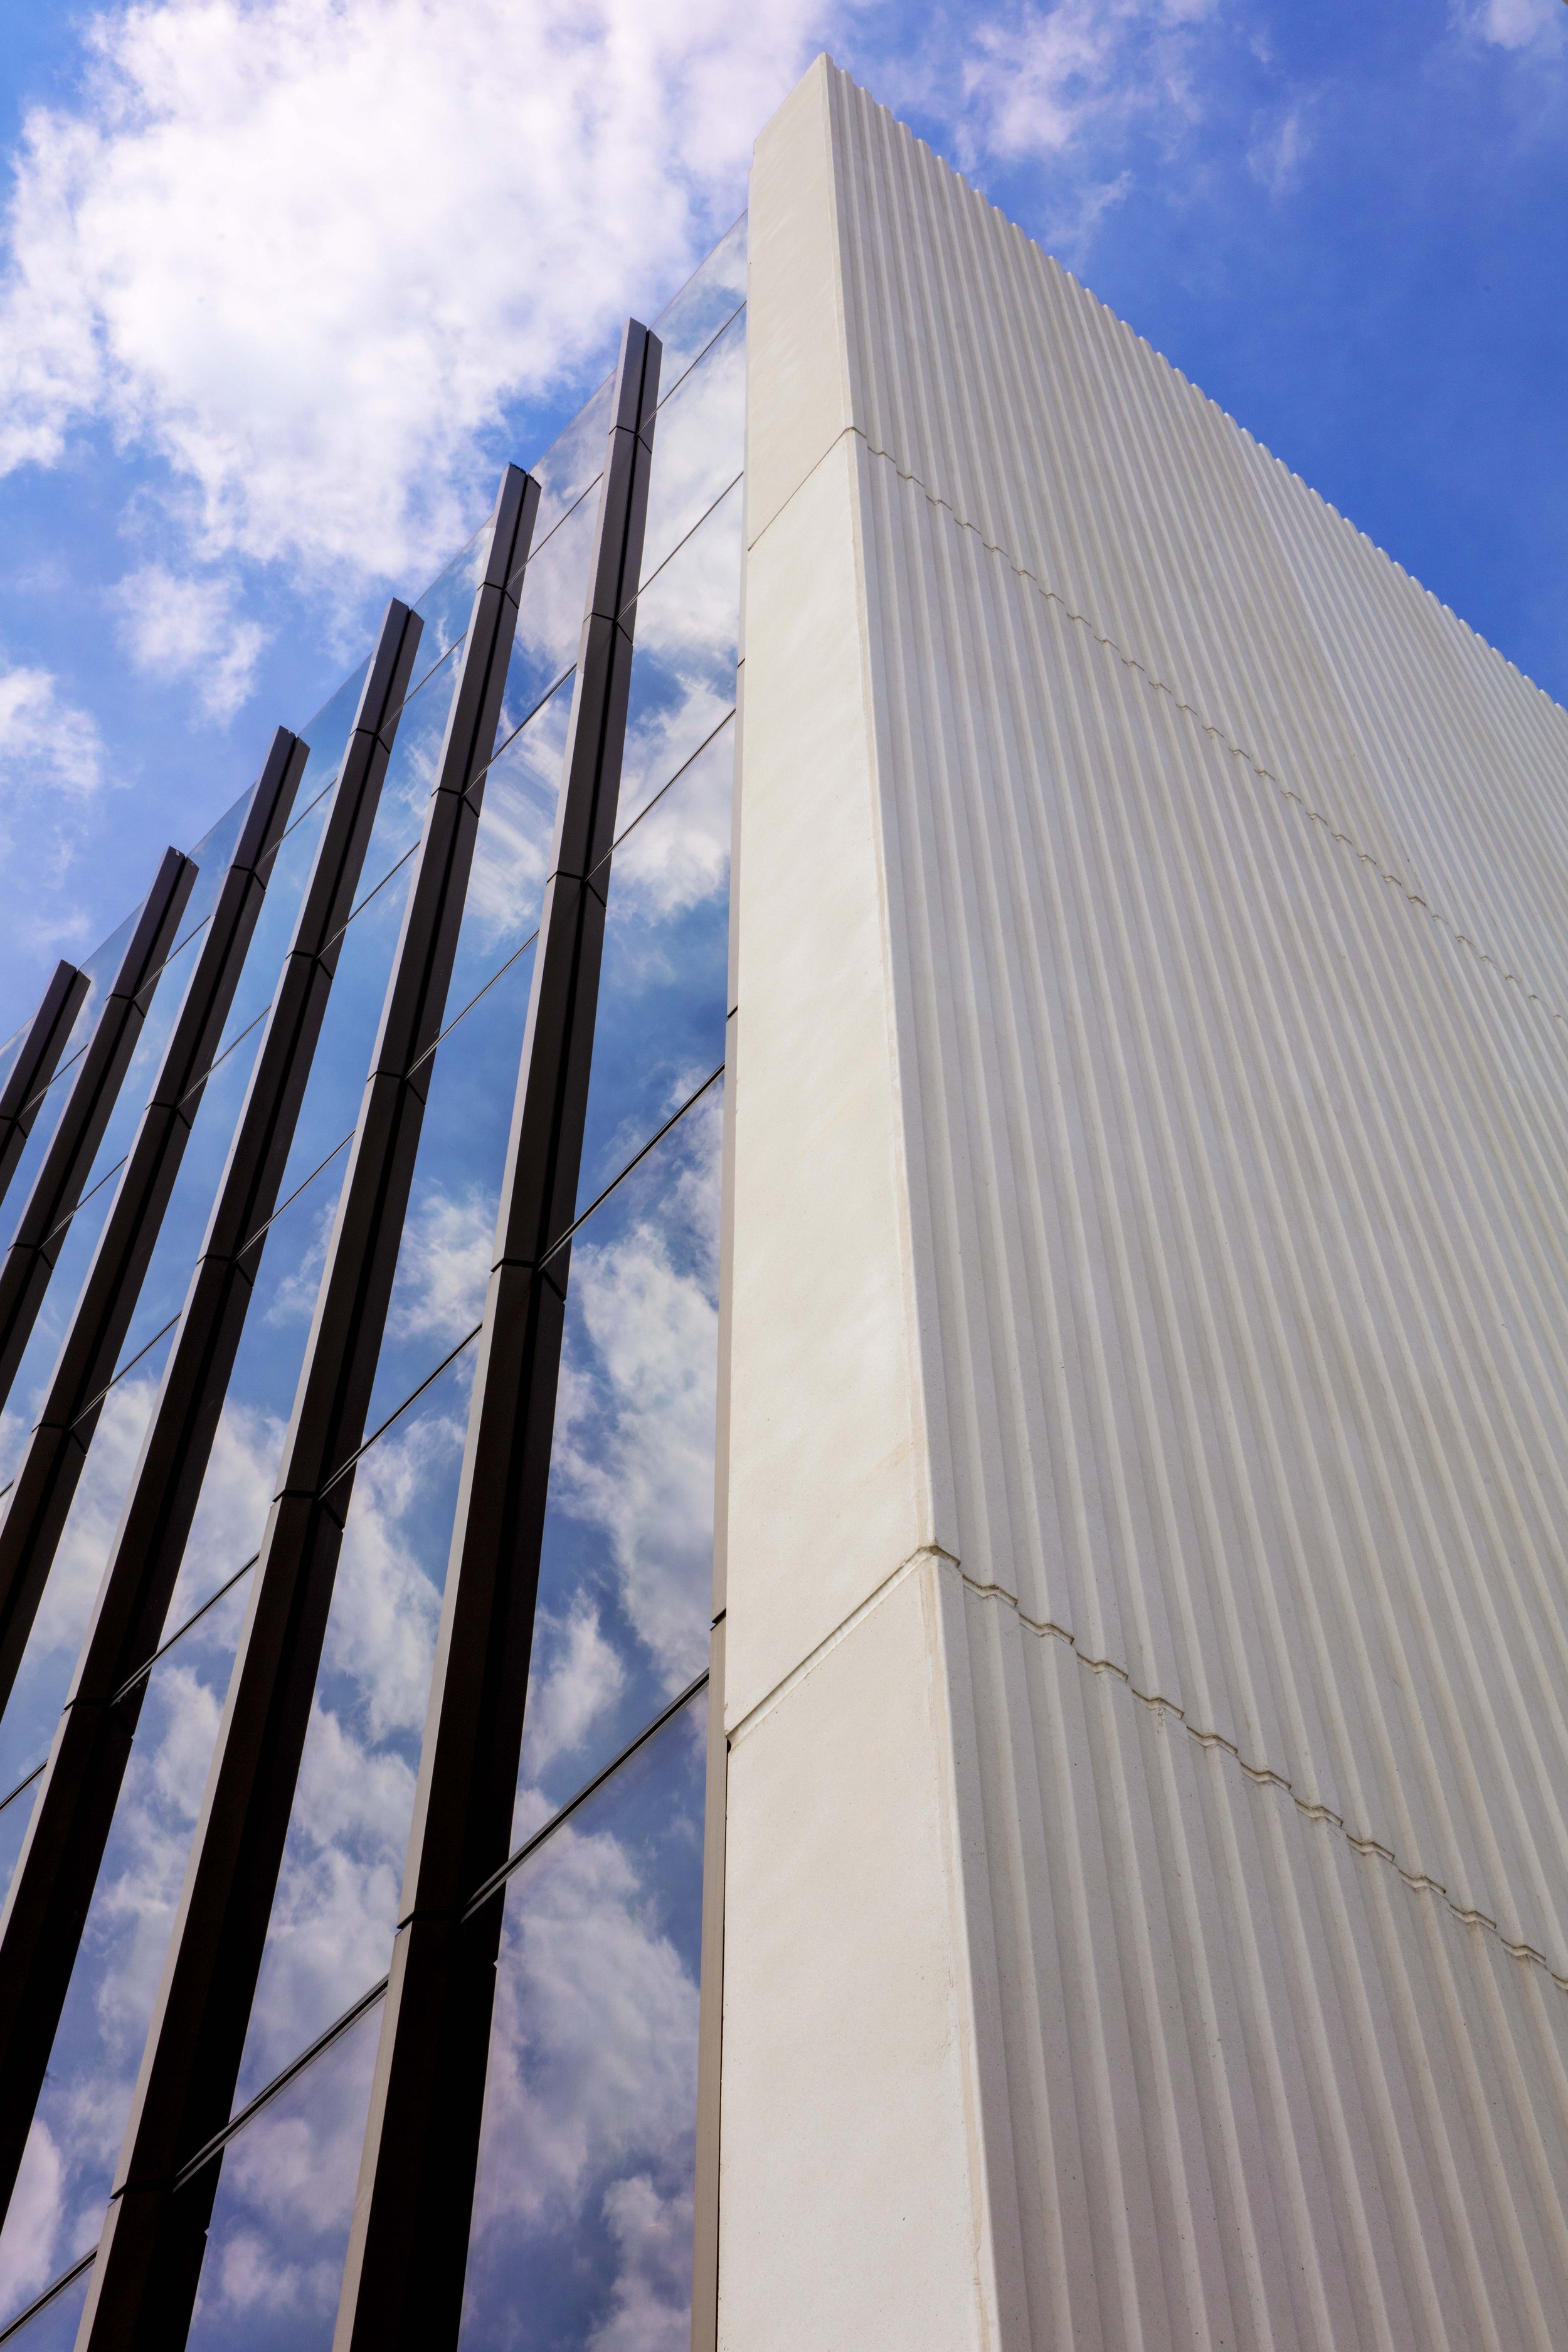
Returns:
(580, 2223)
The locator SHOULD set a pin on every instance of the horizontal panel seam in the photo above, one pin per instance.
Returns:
(1236, 750)
(1264, 1776)
(845, 1626)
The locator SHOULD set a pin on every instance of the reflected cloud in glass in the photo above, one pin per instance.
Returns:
(627, 1564)
(336, 1904)
(280, 2223)
(581, 2230)
(57, 2208)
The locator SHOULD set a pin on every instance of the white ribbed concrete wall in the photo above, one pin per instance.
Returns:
(1147, 1886)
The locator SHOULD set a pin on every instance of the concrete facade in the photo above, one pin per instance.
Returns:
(1146, 1910)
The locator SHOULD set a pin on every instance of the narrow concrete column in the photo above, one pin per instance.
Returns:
(854, 2202)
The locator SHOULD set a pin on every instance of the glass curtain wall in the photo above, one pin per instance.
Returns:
(583, 2217)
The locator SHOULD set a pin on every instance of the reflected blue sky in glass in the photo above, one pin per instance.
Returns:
(237, 1492)
(14, 1815)
(517, 825)
(663, 984)
(683, 670)
(74, 1246)
(410, 777)
(583, 2208)
(327, 733)
(49, 1661)
(664, 949)
(54, 2329)
(444, 606)
(691, 318)
(698, 444)
(448, 1234)
(100, 968)
(627, 1565)
(185, 1220)
(573, 461)
(336, 1905)
(549, 613)
(57, 2208)
(279, 2225)
(286, 880)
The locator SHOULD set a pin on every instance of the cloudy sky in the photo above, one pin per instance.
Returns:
(284, 280)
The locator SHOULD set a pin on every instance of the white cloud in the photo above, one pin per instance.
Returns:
(1047, 81)
(1516, 23)
(1279, 147)
(47, 745)
(305, 255)
(178, 627)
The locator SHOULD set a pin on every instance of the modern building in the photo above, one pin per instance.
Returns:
(1070, 1849)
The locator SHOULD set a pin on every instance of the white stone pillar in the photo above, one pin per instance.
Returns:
(1147, 1641)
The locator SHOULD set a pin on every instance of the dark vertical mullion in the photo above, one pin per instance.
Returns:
(408, 2244)
(150, 2254)
(57, 1449)
(35, 1065)
(40, 1235)
(54, 1879)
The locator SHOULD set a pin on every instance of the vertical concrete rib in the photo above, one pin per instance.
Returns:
(41, 1228)
(36, 1060)
(51, 1466)
(404, 2280)
(150, 2254)
(58, 1870)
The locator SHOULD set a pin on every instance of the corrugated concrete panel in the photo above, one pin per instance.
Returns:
(981, 368)
(1262, 2093)
(1150, 1268)
(1245, 1338)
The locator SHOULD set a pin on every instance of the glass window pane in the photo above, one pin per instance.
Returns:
(659, 1031)
(683, 670)
(698, 444)
(583, 2208)
(280, 2228)
(54, 2329)
(57, 2208)
(342, 1060)
(711, 296)
(517, 825)
(75, 1244)
(573, 460)
(446, 604)
(327, 733)
(625, 1588)
(16, 1812)
(549, 614)
(49, 1661)
(448, 1234)
(336, 1905)
(100, 968)
(409, 780)
(184, 1223)
(242, 1473)
(289, 872)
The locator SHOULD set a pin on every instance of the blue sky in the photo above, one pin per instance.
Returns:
(284, 282)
